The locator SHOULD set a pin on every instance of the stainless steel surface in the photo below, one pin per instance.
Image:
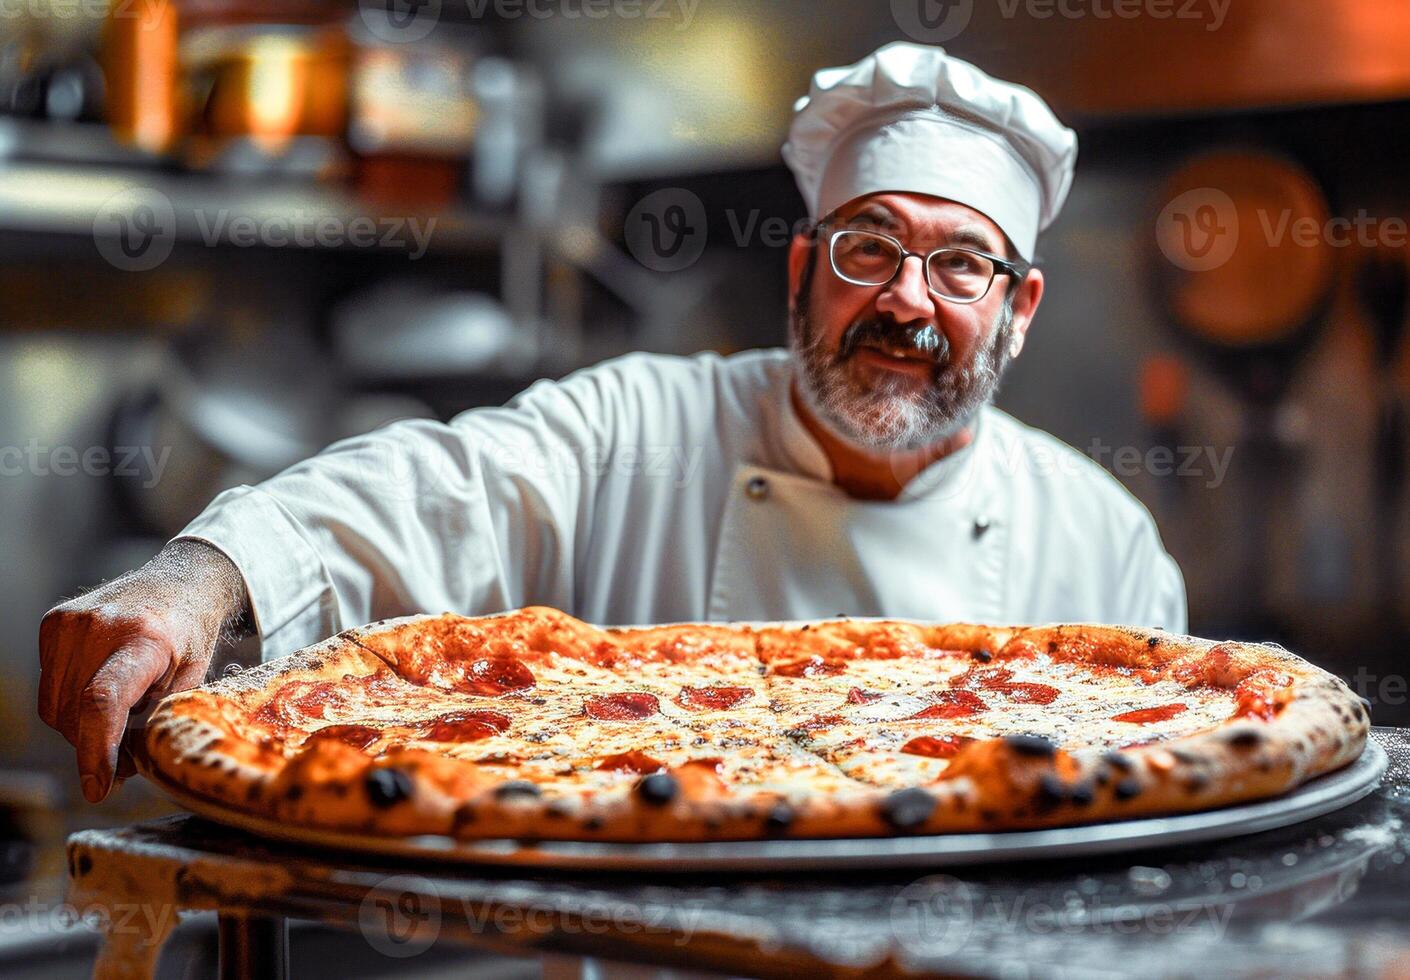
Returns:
(1322, 795)
(1327, 897)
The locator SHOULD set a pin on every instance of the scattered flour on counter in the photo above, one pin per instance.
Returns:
(1374, 835)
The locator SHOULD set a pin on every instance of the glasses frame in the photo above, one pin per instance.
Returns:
(1002, 266)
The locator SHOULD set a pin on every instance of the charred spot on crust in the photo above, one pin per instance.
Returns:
(293, 792)
(1245, 738)
(556, 810)
(1081, 794)
(85, 864)
(1196, 783)
(593, 822)
(658, 788)
(1186, 756)
(517, 789)
(1127, 788)
(1052, 646)
(1032, 745)
(907, 809)
(1153, 642)
(1052, 791)
(983, 656)
(1365, 706)
(387, 787)
(1117, 760)
(779, 818)
(466, 813)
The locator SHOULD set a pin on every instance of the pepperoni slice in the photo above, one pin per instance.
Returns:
(818, 722)
(1146, 716)
(465, 726)
(859, 696)
(932, 747)
(953, 704)
(358, 736)
(1023, 693)
(491, 677)
(811, 666)
(712, 698)
(631, 706)
(989, 679)
(637, 762)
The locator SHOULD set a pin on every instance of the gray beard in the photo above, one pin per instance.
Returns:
(892, 416)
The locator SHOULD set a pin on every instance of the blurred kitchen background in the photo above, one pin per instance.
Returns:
(232, 231)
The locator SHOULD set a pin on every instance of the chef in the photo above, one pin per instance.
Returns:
(860, 471)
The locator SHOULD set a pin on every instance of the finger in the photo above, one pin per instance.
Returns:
(116, 686)
(191, 672)
(51, 667)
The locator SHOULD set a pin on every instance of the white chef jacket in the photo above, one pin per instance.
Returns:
(663, 489)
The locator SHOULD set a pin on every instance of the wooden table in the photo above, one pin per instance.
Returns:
(1328, 896)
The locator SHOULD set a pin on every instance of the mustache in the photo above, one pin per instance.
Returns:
(925, 342)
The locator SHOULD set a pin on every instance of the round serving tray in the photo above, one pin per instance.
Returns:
(1321, 795)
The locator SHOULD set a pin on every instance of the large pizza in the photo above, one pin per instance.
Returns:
(532, 724)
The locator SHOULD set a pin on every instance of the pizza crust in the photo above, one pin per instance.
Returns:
(539, 767)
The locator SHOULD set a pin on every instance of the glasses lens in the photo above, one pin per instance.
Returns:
(959, 274)
(863, 257)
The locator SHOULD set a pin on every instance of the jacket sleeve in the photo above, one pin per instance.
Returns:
(1151, 587)
(474, 516)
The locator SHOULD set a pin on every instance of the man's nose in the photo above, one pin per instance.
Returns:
(907, 298)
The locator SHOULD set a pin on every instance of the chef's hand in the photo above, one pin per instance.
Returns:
(149, 633)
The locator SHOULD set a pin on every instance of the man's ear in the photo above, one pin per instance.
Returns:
(1025, 305)
(800, 253)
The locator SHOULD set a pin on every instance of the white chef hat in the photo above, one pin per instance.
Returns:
(911, 118)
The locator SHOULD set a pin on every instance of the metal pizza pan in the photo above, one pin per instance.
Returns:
(1320, 796)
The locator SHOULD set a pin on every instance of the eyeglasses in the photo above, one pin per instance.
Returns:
(959, 275)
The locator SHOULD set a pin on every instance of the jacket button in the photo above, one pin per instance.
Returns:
(757, 488)
(981, 526)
